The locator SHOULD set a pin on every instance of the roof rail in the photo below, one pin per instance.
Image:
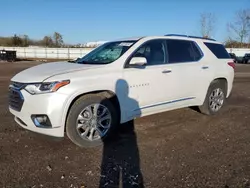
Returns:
(195, 37)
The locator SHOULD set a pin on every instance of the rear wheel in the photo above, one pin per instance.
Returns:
(91, 120)
(215, 98)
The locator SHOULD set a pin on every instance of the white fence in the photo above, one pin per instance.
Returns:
(73, 53)
(49, 53)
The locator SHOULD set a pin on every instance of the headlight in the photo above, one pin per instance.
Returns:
(46, 87)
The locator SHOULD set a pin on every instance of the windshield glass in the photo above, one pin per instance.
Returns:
(106, 53)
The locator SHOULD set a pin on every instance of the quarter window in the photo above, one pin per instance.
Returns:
(180, 51)
(218, 50)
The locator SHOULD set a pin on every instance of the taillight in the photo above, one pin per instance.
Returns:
(231, 64)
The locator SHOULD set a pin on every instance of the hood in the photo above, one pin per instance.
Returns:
(41, 72)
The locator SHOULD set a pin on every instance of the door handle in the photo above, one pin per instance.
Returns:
(166, 71)
(205, 67)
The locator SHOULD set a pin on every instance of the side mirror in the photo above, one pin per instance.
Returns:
(140, 61)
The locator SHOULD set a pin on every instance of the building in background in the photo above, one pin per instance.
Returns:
(93, 44)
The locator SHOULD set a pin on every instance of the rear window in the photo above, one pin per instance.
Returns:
(218, 50)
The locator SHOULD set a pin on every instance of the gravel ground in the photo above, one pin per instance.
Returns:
(180, 148)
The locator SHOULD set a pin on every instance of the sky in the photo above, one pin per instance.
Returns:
(82, 21)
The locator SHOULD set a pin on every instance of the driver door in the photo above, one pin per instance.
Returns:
(150, 85)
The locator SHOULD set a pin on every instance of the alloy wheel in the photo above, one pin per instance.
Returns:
(216, 99)
(93, 122)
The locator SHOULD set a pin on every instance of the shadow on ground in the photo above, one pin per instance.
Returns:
(121, 161)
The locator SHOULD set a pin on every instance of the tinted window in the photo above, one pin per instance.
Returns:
(218, 50)
(153, 51)
(196, 52)
(180, 51)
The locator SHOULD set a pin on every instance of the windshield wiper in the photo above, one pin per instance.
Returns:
(74, 60)
(91, 62)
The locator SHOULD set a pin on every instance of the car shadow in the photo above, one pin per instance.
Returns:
(120, 159)
(195, 108)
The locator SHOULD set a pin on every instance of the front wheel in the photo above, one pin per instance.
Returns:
(91, 120)
(215, 98)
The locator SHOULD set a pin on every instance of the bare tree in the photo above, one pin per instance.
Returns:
(241, 25)
(58, 40)
(16, 40)
(47, 41)
(26, 40)
(207, 24)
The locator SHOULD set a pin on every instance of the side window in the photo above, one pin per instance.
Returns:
(180, 51)
(153, 51)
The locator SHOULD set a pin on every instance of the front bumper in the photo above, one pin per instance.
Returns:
(50, 104)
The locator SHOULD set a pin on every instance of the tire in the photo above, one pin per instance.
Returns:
(206, 108)
(84, 103)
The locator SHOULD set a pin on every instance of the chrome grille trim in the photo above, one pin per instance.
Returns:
(15, 98)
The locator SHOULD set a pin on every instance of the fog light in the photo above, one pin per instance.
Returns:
(41, 121)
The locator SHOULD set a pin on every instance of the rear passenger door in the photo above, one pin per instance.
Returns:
(185, 63)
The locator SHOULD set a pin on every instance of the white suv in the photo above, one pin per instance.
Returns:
(119, 81)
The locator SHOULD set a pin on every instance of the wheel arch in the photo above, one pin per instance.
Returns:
(220, 79)
(107, 93)
(223, 81)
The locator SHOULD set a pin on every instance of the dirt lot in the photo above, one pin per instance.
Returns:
(181, 148)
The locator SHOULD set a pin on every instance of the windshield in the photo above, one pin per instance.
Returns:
(106, 53)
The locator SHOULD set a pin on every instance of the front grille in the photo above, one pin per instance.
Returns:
(15, 99)
(17, 85)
